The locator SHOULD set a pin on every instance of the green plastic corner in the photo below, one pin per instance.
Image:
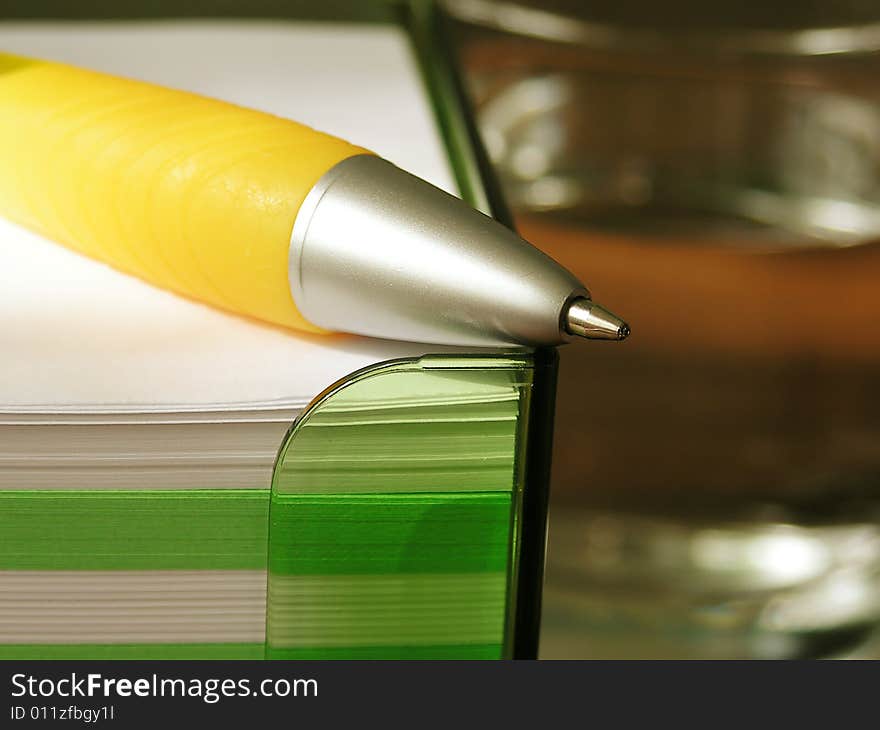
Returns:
(394, 514)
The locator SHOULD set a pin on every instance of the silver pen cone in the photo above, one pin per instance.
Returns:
(585, 318)
(377, 251)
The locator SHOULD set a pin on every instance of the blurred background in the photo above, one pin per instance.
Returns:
(713, 170)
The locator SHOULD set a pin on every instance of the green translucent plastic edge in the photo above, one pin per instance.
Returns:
(455, 533)
(421, 507)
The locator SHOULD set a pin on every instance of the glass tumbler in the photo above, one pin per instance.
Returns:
(712, 172)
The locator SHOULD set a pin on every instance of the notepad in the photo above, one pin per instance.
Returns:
(140, 431)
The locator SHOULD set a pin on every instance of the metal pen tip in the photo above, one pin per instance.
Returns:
(585, 318)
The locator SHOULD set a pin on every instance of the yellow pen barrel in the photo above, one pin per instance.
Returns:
(191, 194)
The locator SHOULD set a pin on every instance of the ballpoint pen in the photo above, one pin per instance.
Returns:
(268, 218)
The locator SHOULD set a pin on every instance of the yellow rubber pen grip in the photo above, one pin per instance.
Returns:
(191, 194)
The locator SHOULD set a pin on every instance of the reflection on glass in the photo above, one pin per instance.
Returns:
(716, 478)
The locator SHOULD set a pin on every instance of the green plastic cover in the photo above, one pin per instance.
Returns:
(393, 515)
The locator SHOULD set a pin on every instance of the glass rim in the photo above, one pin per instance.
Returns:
(523, 20)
